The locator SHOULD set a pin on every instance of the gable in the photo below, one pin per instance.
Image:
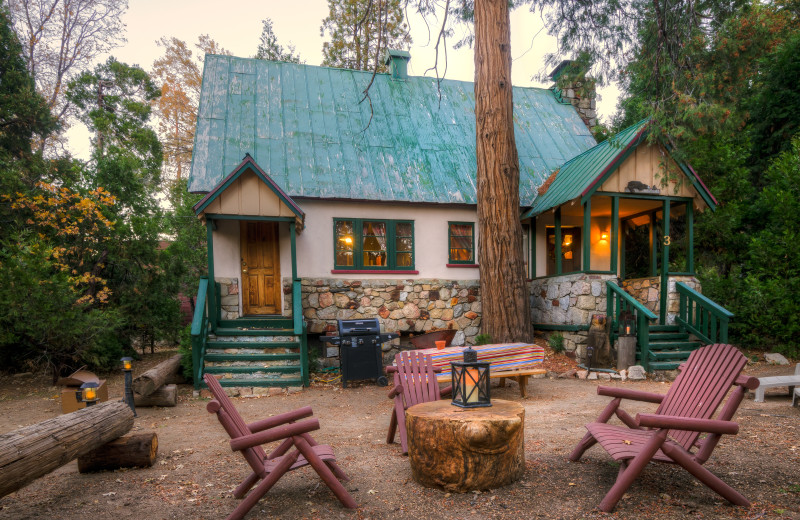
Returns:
(309, 130)
(248, 195)
(647, 164)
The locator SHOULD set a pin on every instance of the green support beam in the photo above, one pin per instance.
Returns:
(557, 221)
(213, 313)
(293, 236)
(587, 235)
(664, 263)
(614, 232)
(653, 245)
(533, 248)
(690, 245)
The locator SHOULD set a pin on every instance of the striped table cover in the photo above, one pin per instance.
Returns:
(502, 356)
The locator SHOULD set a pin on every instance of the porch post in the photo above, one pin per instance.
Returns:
(533, 248)
(653, 245)
(213, 313)
(587, 235)
(665, 264)
(557, 225)
(293, 235)
(690, 227)
(614, 233)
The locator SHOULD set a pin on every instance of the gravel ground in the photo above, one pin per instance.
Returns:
(196, 471)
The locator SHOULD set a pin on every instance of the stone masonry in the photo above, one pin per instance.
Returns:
(229, 298)
(410, 306)
(646, 291)
(569, 300)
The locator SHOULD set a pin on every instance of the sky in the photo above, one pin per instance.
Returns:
(236, 25)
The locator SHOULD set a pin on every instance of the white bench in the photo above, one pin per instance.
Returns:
(771, 382)
(796, 397)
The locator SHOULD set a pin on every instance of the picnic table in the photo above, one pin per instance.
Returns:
(516, 361)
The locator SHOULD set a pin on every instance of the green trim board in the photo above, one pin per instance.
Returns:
(614, 232)
(665, 242)
(256, 218)
(212, 300)
(452, 243)
(349, 239)
(249, 164)
(558, 238)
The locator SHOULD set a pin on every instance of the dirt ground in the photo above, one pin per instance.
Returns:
(196, 471)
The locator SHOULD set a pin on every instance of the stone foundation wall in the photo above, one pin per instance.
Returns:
(412, 306)
(646, 291)
(569, 300)
(229, 298)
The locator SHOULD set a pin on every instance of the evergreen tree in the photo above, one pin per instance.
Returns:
(360, 32)
(270, 49)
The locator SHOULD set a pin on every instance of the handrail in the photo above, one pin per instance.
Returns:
(701, 316)
(631, 300)
(199, 331)
(615, 293)
(297, 308)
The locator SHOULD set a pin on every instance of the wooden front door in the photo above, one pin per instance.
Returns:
(261, 272)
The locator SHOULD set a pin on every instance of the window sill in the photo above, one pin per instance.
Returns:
(370, 271)
(474, 266)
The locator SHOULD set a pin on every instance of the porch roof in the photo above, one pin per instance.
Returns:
(582, 175)
(307, 127)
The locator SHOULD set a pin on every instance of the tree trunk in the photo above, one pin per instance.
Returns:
(138, 450)
(154, 378)
(166, 395)
(466, 450)
(31, 452)
(504, 290)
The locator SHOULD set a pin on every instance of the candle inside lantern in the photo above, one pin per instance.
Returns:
(470, 382)
(627, 329)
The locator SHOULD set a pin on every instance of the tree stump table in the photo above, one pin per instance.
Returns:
(466, 449)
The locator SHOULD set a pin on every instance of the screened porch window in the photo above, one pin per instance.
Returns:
(373, 244)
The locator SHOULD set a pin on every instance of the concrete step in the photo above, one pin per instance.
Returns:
(245, 331)
(249, 358)
(252, 369)
(281, 322)
(250, 382)
(227, 345)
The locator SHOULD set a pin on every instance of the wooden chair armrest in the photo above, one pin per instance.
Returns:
(652, 420)
(277, 420)
(397, 390)
(390, 369)
(446, 391)
(627, 393)
(274, 434)
(437, 370)
(751, 383)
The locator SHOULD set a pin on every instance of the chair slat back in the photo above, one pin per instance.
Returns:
(702, 385)
(415, 374)
(233, 415)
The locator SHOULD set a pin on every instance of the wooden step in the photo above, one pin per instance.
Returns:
(674, 345)
(219, 358)
(284, 369)
(253, 332)
(226, 345)
(664, 365)
(664, 328)
(665, 336)
(665, 355)
(258, 382)
(258, 323)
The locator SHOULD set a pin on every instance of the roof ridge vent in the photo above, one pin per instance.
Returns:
(397, 61)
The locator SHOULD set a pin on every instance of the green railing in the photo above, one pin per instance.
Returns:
(200, 331)
(299, 325)
(702, 317)
(617, 301)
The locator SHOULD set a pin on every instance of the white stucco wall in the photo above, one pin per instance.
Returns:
(315, 243)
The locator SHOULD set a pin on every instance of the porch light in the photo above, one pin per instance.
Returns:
(603, 236)
(87, 393)
(470, 380)
(127, 364)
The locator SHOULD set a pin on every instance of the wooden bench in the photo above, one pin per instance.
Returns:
(770, 382)
(520, 376)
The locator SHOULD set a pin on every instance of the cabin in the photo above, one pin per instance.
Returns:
(322, 204)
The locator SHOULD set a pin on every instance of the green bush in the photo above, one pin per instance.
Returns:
(185, 350)
(483, 339)
(556, 342)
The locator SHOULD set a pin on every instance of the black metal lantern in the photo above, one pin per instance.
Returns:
(127, 367)
(87, 393)
(470, 381)
(627, 323)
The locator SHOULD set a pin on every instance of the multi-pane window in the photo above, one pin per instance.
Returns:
(373, 244)
(461, 238)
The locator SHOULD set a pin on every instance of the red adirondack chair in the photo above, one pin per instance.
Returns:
(670, 434)
(414, 382)
(248, 439)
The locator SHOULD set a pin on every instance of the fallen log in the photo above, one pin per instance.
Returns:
(176, 379)
(155, 378)
(138, 450)
(166, 395)
(31, 452)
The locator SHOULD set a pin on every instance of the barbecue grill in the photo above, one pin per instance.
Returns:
(360, 350)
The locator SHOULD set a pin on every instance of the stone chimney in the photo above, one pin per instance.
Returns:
(572, 87)
(398, 63)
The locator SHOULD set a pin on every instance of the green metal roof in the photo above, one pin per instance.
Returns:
(304, 126)
(580, 173)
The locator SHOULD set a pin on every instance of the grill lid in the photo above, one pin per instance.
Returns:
(362, 327)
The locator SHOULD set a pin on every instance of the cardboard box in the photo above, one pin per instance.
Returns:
(72, 384)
